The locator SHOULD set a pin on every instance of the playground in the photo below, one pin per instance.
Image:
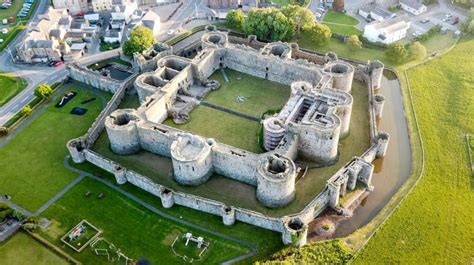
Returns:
(81, 235)
(190, 248)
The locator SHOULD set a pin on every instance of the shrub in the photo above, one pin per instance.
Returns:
(320, 34)
(43, 91)
(417, 51)
(235, 19)
(30, 226)
(269, 24)
(141, 38)
(3, 131)
(3, 206)
(354, 42)
(396, 52)
(26, 111)
(5, 214)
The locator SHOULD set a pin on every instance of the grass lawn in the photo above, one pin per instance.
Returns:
(343, 29)
(224, 127)
(9, 87)
(266, 241)
(340, 18)
(32, 163)
(12, 32)
(260, 94)
(434, 225)
(129, 226)
(108, 61)
(22, 249)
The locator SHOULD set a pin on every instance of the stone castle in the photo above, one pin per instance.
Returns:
(316, 116)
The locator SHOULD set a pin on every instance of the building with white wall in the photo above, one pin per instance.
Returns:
(415, 7)
(388, 31)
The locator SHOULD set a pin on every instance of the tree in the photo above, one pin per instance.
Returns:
(302, 17)
(417, 51)
(235, 18)
(141, 38)
(43, 91)
(269, 24)
(320, 34)
(396, 52)
(354, 42)
(26, 111)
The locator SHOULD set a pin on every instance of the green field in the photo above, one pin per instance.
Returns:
(9, 87)
(340, 18)
(21, 249)
(434, 225)
(341, 23)
(266, 241)
(224, 127)
(129, 226)
(260, 94)
(32, 169)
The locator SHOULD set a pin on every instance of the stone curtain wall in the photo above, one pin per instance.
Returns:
(93, 78)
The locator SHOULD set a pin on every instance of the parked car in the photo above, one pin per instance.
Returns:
(424, 21)
(58, 64)
(11, 19)
(4, 21)
(170, 32)
(455, 21)
(5, 30)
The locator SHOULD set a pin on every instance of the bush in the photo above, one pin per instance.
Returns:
(3, 131)
(320, 34)
(396, 53)
(5, 214)
(354, 42)
(30, 226)
(417, 51)
(26, 111)
(235, 19)
(141, 38)
(43, 91)
(3, 206)
(269, 24)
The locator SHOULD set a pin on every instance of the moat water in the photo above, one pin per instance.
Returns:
(391, 171)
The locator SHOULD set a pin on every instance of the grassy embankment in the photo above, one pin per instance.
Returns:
(434, 223)
(10, 86)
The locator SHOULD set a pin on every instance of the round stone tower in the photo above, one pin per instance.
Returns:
(120, 174)
(214, 39)
(379, 101)
(273, 132)
(228, 215)
(295, 232)
(376, 73)
(75, 147)
(342, 73)
(167, 198)
(382, 139)
(276, 181)
(192, 159)
(122, 131)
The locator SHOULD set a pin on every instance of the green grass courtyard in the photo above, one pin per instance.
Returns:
(10, 86)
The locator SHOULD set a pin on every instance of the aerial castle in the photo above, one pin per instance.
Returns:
(311, 123)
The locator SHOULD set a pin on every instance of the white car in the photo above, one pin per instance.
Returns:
(170, 32)
(5, 30)
(1, 40)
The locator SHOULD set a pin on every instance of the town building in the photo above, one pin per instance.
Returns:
(415, 7)
(388, 31)
(372, 12)
(152, 21)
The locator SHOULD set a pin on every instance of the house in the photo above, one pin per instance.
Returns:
(388, 31)
(75, 7)
(373, 12)
(415, 7)
(152, 21)
(114, 32)
(35, 51)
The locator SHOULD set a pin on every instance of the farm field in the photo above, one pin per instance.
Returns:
(32, 162)
(136, 231)
(434, 223)
(23, 249)
(9, 87)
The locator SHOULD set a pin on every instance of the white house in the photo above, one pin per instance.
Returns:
(374, 12)
(415, 7)
(152, 21)
(388, 31)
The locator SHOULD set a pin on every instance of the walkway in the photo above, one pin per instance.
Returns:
(253, 249)
(239, 114)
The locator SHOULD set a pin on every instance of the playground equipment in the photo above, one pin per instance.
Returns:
(65, 99)
(200, 243)
(113, 249)
(75, 237)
